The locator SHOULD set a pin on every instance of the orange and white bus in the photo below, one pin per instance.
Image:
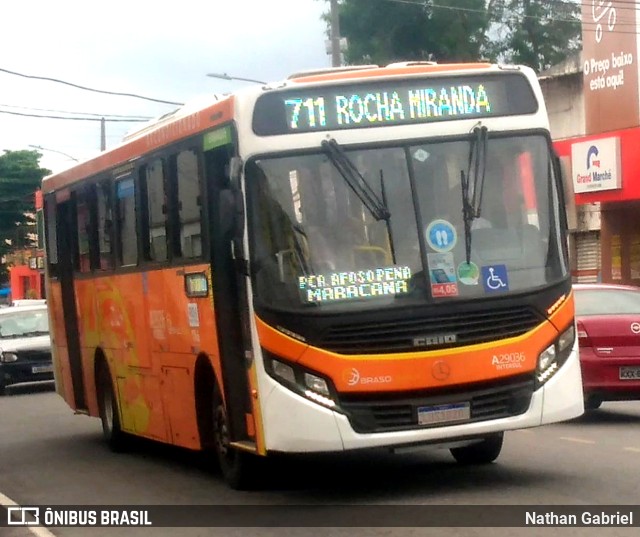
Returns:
(350, 258)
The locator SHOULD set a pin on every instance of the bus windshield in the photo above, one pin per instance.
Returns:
(316, 242)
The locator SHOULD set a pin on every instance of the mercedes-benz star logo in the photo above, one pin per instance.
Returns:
(441, 370)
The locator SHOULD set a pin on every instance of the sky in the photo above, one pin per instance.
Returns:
(158, 49)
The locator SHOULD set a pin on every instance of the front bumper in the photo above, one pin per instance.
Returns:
(294, 424)
(25, 371)
(601, 376)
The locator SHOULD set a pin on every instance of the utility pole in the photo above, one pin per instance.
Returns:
(103, 135)
(335, 35)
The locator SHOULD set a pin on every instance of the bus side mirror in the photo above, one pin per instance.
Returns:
(557, 165)
(231, 204)
(231, 211)
(235, 171)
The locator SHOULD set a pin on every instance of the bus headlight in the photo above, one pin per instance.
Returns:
(303, 382)
(566, 339)
(547, 357)
(554, 356)
(316, 384)
(283, 371)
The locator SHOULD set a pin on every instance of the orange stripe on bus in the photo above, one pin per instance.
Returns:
(256, 418)
(279, 343)
(421, 369)
(564, 315)
(392, 71)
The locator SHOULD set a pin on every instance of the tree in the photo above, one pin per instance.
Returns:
(20, 176)
(540, 34)
(537, 33)
(382, 31)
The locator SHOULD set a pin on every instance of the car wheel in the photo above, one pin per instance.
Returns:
(3, 390)
(116, 438)
(483, 452)
(238, 467)
(592, 403)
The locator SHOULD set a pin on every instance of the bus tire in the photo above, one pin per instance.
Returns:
(237, 467)
(116, 438)
(483, 452)
(592, 402)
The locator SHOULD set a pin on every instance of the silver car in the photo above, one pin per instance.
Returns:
(25, 345)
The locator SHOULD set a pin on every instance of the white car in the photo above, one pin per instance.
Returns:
(25, 345)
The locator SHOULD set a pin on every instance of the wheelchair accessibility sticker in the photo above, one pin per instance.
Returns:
(495, 279)
(441, 236)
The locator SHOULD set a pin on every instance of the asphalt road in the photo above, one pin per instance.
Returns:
(48, 456)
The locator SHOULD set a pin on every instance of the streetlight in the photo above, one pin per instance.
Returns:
(53, 151)
(225, 76)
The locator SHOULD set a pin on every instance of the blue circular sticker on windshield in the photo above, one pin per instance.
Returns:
(441, 236)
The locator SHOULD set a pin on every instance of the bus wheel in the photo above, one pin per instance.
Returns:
(237, 467)
(483, 452)
(116, 438)
(592, 402)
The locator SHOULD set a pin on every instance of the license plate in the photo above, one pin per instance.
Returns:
(630, 373)
(430, 415)
(42, 368)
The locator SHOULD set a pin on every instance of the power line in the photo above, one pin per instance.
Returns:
(42, 116)
(474, 10)
(75, 113)
(628, 5)
(516, 16)
(90, 89)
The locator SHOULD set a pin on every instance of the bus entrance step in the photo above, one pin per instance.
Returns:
(245, 445)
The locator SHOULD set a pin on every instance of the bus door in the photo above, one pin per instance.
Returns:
(229, 289)
(65, 231)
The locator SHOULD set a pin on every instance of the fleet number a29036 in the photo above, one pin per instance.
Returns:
(510, 360)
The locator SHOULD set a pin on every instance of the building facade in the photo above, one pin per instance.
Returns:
(562, 86)
(26, 266)
(599, 150)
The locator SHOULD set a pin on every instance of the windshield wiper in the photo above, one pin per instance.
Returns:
(355, 180)
(472, 193)
(383, 191)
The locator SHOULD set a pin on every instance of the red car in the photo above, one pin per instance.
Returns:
(608, 322)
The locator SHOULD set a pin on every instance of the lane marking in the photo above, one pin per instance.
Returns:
(578, 440)
(38, 531)
(634, 449)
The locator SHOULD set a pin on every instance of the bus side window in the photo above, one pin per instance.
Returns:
(105, 225)
(189, 204)
(83, 229)
(156, 211)
(127, 231)
(51, 237)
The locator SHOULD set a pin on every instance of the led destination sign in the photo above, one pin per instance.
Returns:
(393, 102)
(371, 283)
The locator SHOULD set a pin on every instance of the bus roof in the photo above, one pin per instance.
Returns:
(181, 123)
(394, 69)
(192, 119)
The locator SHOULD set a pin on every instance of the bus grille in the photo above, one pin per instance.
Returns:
(490, 402)
(405, 334)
